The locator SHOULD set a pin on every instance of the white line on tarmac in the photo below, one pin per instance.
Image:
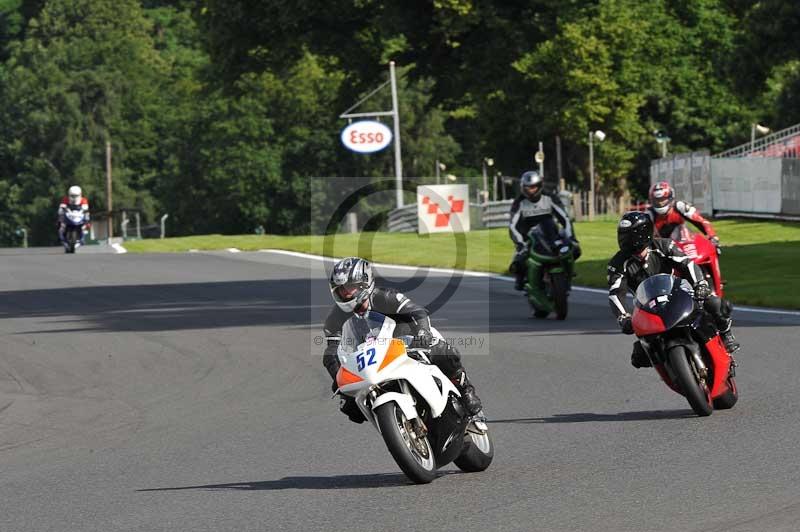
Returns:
(118, 248)
(234, 250)
(754, 310)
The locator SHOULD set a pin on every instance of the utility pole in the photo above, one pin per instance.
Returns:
(109, 199)
(561, 184)
(591, 176)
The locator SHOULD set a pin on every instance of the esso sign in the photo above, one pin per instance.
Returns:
(366, 136)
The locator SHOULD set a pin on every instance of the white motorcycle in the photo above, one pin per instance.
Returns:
(71, 235)
(417, 410)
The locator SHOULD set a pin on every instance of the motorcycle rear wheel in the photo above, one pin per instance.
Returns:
(560, 289)
(698, 395)
(477, 453)
(413, 454)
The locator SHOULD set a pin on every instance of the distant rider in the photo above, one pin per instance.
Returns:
(641, 256)
(72, 201)
(353, 289)
(529, 209)
(669, 215)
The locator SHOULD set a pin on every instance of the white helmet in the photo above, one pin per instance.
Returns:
(75, 194)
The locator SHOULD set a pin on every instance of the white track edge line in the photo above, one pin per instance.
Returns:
(118, 248)
(754, 310)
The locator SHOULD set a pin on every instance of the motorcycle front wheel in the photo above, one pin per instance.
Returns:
(560, 287)
(412, 452)
(71, 240)
(697, 394)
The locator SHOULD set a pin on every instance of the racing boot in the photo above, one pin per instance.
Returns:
(639, 358)
(470, 399)
(727, 336)
(519, 281)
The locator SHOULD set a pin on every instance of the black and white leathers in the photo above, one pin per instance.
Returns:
(527, 214)
(387, 301)
(626, 271)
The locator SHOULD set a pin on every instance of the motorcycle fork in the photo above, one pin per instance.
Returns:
(420, 429)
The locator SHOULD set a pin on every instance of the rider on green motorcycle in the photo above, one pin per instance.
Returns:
(531, 207)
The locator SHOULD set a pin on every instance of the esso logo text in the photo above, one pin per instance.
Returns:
(366, 136)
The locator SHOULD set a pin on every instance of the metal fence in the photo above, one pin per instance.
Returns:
(690, 176)
(781, 144)
(755, 187)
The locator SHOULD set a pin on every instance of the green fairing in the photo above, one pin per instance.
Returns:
(537, 294)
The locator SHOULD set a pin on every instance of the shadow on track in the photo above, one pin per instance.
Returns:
(584, 417)
(380, 480)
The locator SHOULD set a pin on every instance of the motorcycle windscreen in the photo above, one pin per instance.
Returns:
(547, 240)
(358, 330)
(666, 296)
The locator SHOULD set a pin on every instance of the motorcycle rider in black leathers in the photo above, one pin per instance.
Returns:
(353, 289)
(641, 256)
(529, 209)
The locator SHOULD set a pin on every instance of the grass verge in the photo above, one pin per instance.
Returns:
(759, 258)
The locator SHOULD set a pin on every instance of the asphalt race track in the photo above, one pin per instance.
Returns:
(186, 393)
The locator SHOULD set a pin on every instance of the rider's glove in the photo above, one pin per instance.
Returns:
(702, 291)
(423, 339)
(715, 240)
(349, 408)
(625, 323)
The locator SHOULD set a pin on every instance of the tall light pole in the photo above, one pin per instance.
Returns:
(662, 138)
(440, 167)
(487, 161)
(761, 129)
(600, 136)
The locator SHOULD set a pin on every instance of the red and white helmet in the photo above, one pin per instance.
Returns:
(661, 197)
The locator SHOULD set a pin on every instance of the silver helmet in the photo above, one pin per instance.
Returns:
(531, 185)
(352, 283)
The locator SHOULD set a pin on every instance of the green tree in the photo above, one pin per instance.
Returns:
(86, 72)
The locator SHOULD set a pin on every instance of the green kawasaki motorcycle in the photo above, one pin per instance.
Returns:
(551, 266)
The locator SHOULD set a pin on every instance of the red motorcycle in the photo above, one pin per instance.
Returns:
(683, 344)
(703, 253)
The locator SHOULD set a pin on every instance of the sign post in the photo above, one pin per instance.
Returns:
(395, 114)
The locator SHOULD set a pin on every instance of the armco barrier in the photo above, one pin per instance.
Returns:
(403, 220)
(491, 214)
(496, 213)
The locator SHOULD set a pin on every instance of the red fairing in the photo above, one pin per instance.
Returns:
(645, 323)
(720, 362)
(84, 202)
(704, 254)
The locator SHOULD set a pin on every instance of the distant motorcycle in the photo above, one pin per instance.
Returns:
(416, 409)
(683, 344)
(703, 253)
(552, 253)
(71, 235)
